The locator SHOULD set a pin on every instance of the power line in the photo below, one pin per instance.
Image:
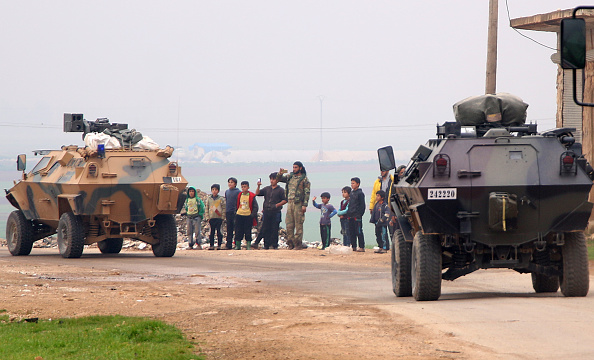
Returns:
(336, 129)
(302, 129)
(527, 37)
(41, 126)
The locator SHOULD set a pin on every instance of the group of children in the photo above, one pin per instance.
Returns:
(351, 210)
(240, 208)
(196, 210)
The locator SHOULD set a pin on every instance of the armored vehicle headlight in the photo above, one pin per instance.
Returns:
(441, 162)
(93, 169)
(441, 165)
(568, 160)
(568, 165)
(172, 168)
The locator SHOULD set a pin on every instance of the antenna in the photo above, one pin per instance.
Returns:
(177, 144)
(321, 154)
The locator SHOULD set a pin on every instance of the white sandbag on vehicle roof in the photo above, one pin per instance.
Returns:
(94, 139)
(146, 144)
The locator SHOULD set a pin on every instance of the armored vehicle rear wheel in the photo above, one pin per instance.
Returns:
(401, 258)
(110, 246)
(71, 237)
(426, 267)
(19, 234)
(166, 232)
(542, 283)
(575, 278)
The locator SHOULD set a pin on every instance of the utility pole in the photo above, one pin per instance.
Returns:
(321, 154)
(491, 83)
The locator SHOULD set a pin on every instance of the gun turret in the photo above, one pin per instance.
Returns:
(77, 123)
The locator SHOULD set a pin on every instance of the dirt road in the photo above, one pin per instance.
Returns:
(303, 305)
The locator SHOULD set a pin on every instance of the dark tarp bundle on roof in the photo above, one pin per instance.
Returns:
(126, 137)
(501, 108)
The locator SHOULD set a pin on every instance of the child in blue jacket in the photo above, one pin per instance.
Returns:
(327, 211)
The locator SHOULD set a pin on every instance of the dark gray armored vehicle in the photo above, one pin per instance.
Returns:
(491, 195)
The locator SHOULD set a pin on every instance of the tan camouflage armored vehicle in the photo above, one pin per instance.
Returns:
(100, 194)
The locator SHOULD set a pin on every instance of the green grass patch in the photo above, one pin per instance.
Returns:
(4, 316)
(96, 338)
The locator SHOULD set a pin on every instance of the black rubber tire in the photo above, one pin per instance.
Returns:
(71, 236)
(575, 278)
(543, 284)
(401, 258)
(19, 234)
(426, 267)
(110, 246)
(166, 231)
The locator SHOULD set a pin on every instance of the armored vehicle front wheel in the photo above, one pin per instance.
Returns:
(542, 283)
(426, 267)
(71, 237)
(166, 232)
(401, 258)
(110, 246)
(575, 279)
(19, 234)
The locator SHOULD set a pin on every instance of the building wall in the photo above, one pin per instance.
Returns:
(571, 115)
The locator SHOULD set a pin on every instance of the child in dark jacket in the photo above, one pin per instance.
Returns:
(344, 220)
(327, 212)
(380, 216)
(355, 213)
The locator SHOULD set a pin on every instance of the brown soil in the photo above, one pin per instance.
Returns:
(229, 318)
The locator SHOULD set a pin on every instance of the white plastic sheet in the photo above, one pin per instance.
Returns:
(146, 144)
(94, 139)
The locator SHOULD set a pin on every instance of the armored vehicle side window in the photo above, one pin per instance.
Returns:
(515, 155)
(42, 164)
(468, 131)
(76, 162)
(54, 167)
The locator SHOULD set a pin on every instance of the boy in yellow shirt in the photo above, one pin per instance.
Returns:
(246, 217)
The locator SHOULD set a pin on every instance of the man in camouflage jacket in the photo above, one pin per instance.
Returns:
(297, 191)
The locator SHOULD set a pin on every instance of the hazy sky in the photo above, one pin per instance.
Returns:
(179, 70)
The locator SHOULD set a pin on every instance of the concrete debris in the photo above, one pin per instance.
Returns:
(339, 249)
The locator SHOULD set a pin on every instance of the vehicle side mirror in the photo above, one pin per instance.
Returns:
(21, 162)
(386, 158)
(573, 43)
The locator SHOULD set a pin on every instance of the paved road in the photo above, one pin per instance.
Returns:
(495, 309)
